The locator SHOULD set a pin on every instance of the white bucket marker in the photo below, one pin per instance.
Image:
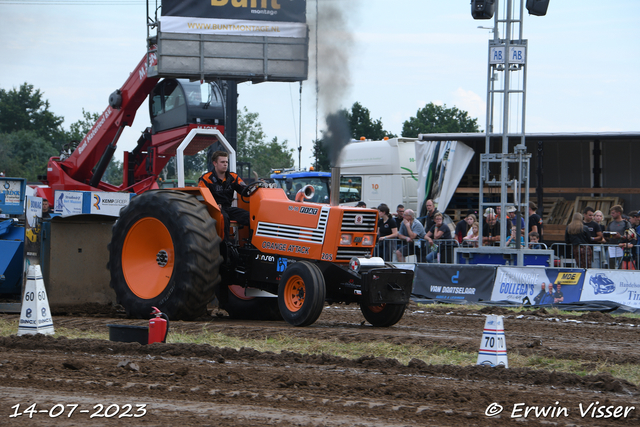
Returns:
(493, 347)
(35, 316)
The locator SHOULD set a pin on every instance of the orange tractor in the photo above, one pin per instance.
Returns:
(166, 251)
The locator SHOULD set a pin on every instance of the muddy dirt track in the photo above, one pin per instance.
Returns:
(194, 385)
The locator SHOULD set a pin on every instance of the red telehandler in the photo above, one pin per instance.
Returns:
(176, 106)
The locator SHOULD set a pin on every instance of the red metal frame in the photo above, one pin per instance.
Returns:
(75, 171)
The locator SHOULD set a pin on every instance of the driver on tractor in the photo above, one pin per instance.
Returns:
(222, 184)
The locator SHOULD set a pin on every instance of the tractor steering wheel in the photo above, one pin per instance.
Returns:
(250, 189)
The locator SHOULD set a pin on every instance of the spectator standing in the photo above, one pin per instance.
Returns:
(399, 215)
(361, 204)
(491, 230)
(616, 235)
(511, 241)
(534, 240)
(410, 229)
(437, 232)
(429, 217)
(577, 234)
(596, 235)
(387, 231)
(535, 222)
(471, 238)
(463, 227)
(634, 219)
(598, 217)
(511, 215)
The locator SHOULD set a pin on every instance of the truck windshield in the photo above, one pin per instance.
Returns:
(350, 189)
(320, 185)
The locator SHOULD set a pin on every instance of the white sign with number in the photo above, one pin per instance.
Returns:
(493, 348)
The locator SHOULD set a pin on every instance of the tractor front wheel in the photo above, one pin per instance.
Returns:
(301, 293)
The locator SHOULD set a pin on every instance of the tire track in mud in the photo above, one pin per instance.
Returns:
(193, 384)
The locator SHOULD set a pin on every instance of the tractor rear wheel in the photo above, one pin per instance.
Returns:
(383, 315)
(165, 253)
(301, 293)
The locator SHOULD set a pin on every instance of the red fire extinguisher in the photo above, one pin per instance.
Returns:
(158, 326)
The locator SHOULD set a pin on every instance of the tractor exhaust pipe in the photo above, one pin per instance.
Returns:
(335, 187)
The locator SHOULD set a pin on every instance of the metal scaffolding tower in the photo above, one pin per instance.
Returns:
(506, 102)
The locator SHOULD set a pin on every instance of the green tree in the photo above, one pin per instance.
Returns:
(253, 146)
(24, 154)
(321, 156)
(25, 109)
(439, 119)
(79, 129)
(113, 174)
(362, 126)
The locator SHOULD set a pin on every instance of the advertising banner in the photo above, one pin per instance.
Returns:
(33, 216)
(274, 18)
(537, 285)
(453, 282)
(12, 191)
(621, 286)
(68, 202)
(441, 165)
(104, 203)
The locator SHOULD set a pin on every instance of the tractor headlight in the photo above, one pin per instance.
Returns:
(345, 239)
(367, 240)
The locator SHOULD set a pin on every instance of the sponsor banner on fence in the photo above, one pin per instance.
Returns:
(274, 18)
(105, 203)
(453, 282)
(621, 286)
(537, 285)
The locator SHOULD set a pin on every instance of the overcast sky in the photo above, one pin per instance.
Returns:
(583, 64)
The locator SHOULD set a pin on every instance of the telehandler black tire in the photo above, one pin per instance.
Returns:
(165, 253)
(301, 293)
(383, 315)
(257, 308)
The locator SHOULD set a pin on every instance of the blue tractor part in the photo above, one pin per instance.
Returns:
(12, 203)
(292, 181)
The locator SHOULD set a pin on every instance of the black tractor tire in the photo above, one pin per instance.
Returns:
(383, 315)
(301, 293)
(256, 308)
(165, 253)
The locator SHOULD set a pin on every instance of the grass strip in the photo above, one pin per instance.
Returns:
(433, 355)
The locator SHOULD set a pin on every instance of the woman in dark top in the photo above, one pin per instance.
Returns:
(578, 235)
(387, 232)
